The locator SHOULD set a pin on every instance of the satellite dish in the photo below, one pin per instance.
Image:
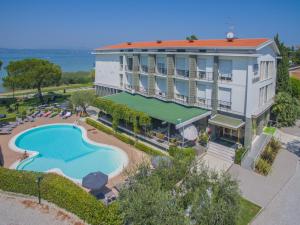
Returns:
(230, 36)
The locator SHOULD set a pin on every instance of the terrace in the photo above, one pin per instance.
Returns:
(164, 115)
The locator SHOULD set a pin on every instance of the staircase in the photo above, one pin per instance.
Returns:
(221, 151)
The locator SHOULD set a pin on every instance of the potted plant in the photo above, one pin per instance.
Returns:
(203, 139)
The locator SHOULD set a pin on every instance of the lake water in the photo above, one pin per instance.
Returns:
(69, 60)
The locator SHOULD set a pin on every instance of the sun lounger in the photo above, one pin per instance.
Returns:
(30, 119)
(35, 114)
(67, 115)
(4, 131)
(62, 113)
(8, 128)
(47, 114)
(19, 120)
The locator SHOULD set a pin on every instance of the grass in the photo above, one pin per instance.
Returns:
(46, 89)
(269, 130)
(164, 111)
(247, 212)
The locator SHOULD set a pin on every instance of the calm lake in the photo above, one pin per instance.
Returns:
(69, 60)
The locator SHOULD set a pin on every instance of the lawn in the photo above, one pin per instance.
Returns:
(247, 212)
(269, 130)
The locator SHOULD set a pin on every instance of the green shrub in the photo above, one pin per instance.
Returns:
(124, 138)
(10, 118)
(275, 144)
(147, 149)
(263, 166)
(62, 192)
(203, 138)
(238, 155)
(268, 154)
(182, 152)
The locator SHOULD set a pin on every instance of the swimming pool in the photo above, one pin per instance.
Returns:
(65, 148)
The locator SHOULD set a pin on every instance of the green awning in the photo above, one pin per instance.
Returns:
(165, 111)
(226, 121)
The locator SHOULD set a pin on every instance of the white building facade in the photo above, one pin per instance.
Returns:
(231, 77)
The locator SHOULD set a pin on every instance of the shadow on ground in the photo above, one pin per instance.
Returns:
(294, 147)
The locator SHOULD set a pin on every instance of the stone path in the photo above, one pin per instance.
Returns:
(262, 189)
(17, 210)
(284, 208)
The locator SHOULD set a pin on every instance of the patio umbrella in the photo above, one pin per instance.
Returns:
(190, 132)
(156, 160)
(95, 180)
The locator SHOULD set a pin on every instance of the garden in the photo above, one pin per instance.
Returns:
(264, 163)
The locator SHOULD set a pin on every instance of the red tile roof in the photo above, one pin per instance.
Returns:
(221, 43)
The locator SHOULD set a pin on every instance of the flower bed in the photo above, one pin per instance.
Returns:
(267, 157)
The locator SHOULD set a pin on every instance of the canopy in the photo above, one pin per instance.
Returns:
(189, 132)
(95, 180)
(226, 121)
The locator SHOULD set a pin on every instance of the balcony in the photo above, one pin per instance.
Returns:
(183, 73)
(162, 70)
(181, 99)
(225, 77)
(128, 87)
(224, 105)
(160, 94)
(203, 75)
(128, 68)
(144, 68)
(203, 102)
(143, 91)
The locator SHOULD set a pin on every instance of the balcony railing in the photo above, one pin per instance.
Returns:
(128, 68)
(203, 102)
(160, 94)
(184, 73)
(255, 79)
(224, 105)
(182, 99)
(162, 70)
(144, 68)
(203, 75)
(143, 91)
(225, 76)
(128, 87)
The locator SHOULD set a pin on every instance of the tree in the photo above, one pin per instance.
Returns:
(83, 99)
(296, 56)
(285, 109)
(33, 74)
(283, 79)
(295, 87)
(10, 82)
(180, 192)
(191, 38)
(1, 63)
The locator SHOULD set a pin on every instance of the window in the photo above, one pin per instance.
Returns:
(121, 80)
(181, 66)
(225, 69)
(129, 63)
(255, 69)
(261, 96)
(161, 65)
(144, 64)
(121, 62)
(201, 97)
(224, 98)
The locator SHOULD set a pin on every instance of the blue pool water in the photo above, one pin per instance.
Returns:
(63, 147)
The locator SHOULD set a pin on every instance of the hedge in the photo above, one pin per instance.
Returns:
(128, 140)
(62, 192)
(238, 155)
(8, 119)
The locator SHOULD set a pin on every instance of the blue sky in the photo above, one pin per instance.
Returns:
(94, 23)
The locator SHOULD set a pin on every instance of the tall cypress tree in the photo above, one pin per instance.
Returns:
(283, 79)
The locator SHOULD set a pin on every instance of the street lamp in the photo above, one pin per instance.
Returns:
(38, 181)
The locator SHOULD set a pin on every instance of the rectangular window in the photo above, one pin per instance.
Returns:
(144, 64)
(161, 65)
(255, 69)
(224, 98)
(261, 96)
(121, 62)
(121, 80)
(129, 63)
(182, 66)
(225, 69)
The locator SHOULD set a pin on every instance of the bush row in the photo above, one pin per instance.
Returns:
(267, 157)
(11, 118)
(128, 140)
(62, 192)
(238, 155)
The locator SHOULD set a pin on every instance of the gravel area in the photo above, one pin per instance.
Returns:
(19, 210)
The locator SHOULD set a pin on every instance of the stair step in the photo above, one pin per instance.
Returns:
(230, 160)
(221, 152)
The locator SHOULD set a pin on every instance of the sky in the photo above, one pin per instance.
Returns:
(89, 24)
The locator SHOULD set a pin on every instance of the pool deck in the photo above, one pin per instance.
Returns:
(8, 157)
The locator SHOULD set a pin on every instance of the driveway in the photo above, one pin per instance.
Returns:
(262, 189)
(284, 209)
(19, 210)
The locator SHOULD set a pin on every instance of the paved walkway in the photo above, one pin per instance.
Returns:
(17, 210)
(260, 189)
(217, 164)
(284, 209)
